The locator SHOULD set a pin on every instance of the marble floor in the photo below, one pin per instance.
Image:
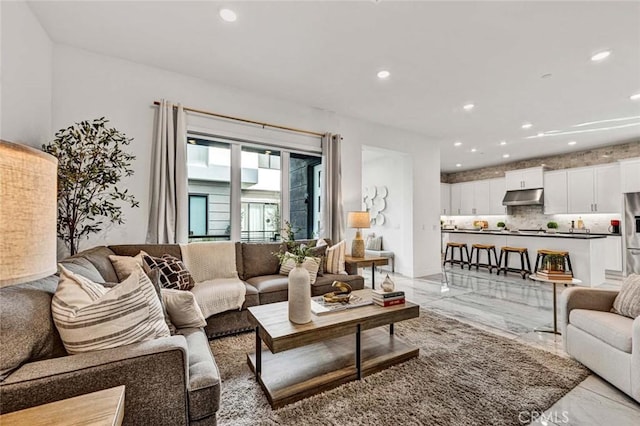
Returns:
(513, 308)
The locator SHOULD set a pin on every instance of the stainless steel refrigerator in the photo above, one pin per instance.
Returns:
(632, 232)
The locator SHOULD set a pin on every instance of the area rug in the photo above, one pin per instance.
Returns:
(463, 376)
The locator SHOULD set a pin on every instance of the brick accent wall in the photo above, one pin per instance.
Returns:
(590, 157)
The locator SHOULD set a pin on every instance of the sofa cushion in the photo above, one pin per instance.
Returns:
(182, 308)
(82, 266)
(324, 284)
(204, 377)
(251, 297)
(27, 332)
(258, 259)
(99, 257)
(90, 317)
(156, 250)
(271, 288)
(627, 302)
(611, 328)
(311, 264)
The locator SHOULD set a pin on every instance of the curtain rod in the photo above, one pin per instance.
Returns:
(244, 120)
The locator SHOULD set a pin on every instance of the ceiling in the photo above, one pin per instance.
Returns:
(441, 55)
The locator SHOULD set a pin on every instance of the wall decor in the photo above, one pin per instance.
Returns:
(375, 203)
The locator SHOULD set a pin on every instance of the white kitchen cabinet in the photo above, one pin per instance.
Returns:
(525, 178)
(481, 194)
(456, 198)
(630, 175)
(613, 253)
(555, 192)
(445, 199)
(467, 194)
(594, 189)
(497, 189)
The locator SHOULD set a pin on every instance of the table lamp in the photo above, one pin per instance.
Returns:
(28, 209)
(358, 220)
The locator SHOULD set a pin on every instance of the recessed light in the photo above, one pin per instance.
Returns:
(228, 15)
(635, 97)
(384, 74)
(473, 150)
(601, 56)
(458, 165)
(605, 156)
(457, 144)
(540, 134)
(572, 143)
(505, 155)
(503, 143)
(527, 125)
(468, 107)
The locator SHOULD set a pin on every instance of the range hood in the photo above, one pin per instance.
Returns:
(524, 197)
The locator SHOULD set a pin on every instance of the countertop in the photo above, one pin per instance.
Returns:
(541, 234)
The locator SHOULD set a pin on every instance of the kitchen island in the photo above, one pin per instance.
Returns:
(587, 251)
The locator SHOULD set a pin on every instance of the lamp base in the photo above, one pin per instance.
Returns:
(357, 247)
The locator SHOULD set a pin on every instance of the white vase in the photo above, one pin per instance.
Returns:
(299, 296)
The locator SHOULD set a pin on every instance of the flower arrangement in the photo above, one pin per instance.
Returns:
(296, 252)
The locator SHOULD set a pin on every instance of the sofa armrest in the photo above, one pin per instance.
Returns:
(154, 373)
(584, 298)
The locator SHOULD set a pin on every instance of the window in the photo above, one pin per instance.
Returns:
(263, 199)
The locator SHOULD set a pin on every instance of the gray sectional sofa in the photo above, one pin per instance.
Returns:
(168, 381)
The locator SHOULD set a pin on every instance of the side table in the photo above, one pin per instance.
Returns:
(573, 281)
(102, 408)
(351, 264)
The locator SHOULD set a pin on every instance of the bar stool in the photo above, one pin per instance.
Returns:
(475, 248)
(544, 253)
(524, 255)
(452, 259)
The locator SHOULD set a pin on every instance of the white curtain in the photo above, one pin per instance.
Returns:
(168, 213)
(331, 218)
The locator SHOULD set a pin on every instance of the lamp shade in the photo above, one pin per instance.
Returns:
(358, 220)
(28, 208)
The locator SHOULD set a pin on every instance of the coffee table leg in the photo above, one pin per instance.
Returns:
(358, 354)
(391, 329)
(555, 313)
(373, 276)
(258, 353)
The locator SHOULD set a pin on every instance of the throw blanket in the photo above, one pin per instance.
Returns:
(213, 268)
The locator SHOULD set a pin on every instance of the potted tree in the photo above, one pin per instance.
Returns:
(91, 162)
(552, 227)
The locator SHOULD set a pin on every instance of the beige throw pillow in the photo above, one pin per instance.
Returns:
(125, 265)
(182, 308)
(627, 302)
(311, 264)
(335, 258)
(90, 317)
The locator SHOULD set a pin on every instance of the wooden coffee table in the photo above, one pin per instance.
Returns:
(332, 349)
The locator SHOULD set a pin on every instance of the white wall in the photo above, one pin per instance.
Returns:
(87, 85)
(25, 100)
(392, 170)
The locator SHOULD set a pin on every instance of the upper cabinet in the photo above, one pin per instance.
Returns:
(524, 179)
(479, 197)
(555, 192)
(594, 189)
(630, 175)
(445, 199)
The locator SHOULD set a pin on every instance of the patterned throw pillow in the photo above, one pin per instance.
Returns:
(627, 302)
(173, 273)
(90, 317)
(311, 264)
(335, 258)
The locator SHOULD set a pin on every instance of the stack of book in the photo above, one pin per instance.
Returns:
(555, 275)
(387, 298)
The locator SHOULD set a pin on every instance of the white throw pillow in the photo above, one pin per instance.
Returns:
(335, 258)
(311, 264)
(125, 265)
(182, 308)
(374, 243)
(90, 317)
(321, 243)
